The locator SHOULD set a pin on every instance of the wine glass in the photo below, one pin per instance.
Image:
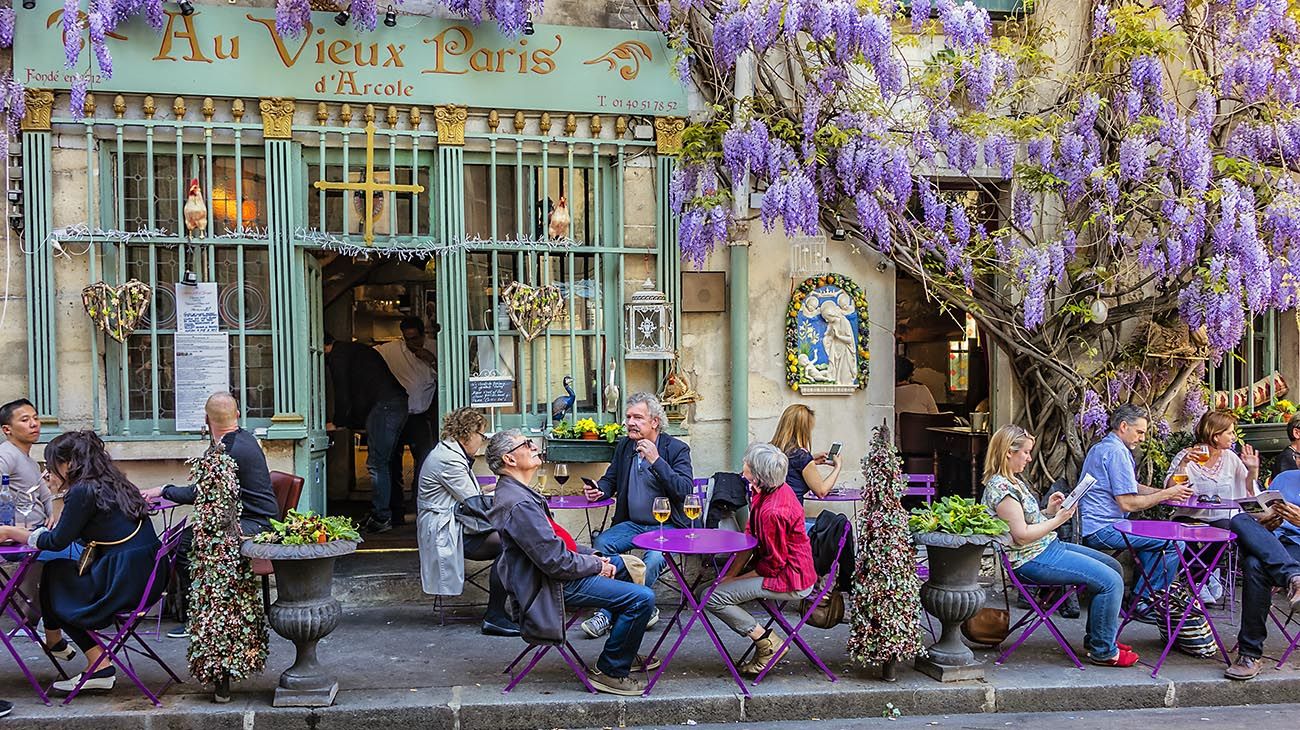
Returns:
(541, 483)
(661, 510)
(691, 506)
(561, 474)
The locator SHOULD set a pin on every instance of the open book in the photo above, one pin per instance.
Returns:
(1086, 483)
(1260, 505)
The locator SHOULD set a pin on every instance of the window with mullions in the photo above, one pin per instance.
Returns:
(403, 214)
(235, 203)
(556, 193)
(1253, 360)
(242, 273)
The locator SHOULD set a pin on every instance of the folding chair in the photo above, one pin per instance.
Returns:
(538, 651)
(1043, 602)
(920, 485)
(115, 647)
(815, 600)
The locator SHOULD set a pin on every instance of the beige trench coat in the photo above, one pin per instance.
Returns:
(446, 479)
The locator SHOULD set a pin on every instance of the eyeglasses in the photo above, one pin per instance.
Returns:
(1209, 499)
(532, 446)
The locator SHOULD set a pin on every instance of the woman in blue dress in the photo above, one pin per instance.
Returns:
(101, 506)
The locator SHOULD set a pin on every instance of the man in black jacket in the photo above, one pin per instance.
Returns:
(367, 396)
(257, 498)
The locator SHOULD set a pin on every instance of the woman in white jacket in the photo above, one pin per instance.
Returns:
(447, 479)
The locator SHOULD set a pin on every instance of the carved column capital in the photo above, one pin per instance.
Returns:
(451, 124)
(277, 117)
(39, 106)
(668, 135)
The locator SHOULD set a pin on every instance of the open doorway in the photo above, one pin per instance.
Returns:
(371, 301)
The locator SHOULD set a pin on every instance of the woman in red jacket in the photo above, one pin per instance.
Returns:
(780, 568)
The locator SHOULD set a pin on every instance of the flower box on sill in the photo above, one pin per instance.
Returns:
(1268, 438)
(578, 450)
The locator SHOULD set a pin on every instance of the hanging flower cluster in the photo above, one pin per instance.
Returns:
(1191, 190)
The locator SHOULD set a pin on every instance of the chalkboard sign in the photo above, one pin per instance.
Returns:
(491, 391)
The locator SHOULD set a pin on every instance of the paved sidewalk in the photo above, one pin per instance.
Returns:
(397, 667)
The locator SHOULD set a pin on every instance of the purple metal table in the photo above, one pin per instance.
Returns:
(705, 542)
(1197, 504)
(24, 556)
(1230, 557)
(580, 501)
(1199, 541)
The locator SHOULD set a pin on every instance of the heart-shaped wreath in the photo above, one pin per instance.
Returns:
(531, 308)
(116, 309)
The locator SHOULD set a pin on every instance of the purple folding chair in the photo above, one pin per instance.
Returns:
(815, 600)
(925, 489)
(115, 646)
(1292, 639)
(538, 651)
(1043, 602)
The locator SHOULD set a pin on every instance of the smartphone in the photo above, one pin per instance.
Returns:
(835, 449)
(590, 483)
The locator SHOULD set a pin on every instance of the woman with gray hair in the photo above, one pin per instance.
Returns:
(779, 568)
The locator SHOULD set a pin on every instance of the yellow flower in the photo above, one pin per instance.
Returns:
(585, 425)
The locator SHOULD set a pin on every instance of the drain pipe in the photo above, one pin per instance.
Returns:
(738, 303)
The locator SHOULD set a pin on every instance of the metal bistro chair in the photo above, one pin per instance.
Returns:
(288, 490)
(115, 644)
(478, 578)
(1043, 600)
(538, 651)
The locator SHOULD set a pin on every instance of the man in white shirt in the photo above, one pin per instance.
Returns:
(415, 367)
(910, 397)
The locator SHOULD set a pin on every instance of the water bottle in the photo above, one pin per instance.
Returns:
(6, 502)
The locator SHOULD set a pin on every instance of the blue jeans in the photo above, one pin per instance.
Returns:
(1064, 563)
(630, 604)
(618, 539)
(1266, 562)
(1159, 558)
(383, 428)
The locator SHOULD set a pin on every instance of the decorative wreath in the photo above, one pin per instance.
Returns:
(795, 374)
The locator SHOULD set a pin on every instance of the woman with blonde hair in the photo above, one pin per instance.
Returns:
(1038, 557)
(447, 480)
(794, 438)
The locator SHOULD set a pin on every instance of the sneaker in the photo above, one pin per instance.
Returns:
(182, 631)
(626, 686)
(1125, 658)
(374, 526)
(100, 681)
(1246, 667)
(648, 664)
(6, 707)
(1293, 593)
(62, 650)
(499, 627)
(654, 618)
(596, 626)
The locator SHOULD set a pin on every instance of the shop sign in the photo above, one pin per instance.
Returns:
(236, 52)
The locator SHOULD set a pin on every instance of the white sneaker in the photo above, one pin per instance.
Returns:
(102, 681)
(654, 618)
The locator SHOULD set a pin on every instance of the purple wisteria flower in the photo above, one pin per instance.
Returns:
(71, 32)
(1102, 22)
(7, 20)
(78, 97)
(1092, 418)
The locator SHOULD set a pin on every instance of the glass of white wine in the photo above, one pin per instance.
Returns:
(541, 483)
(662, 510)
(692, 507)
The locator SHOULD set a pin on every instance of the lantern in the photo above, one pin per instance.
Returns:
(649, 318)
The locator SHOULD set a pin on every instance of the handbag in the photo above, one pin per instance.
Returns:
(828, 614)
(472, 514)
(87, 558)
(990, 626)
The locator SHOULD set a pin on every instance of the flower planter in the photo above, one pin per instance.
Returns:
(304, 612)
(590, 436)
(952, 594)
(1269, 439)
(579, 450)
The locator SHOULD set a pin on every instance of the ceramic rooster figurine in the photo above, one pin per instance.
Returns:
(559, 223)
(196, 212)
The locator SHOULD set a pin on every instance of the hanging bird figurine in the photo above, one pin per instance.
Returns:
(196, 212)
(559, 223)
(611, 390)
(563, 405)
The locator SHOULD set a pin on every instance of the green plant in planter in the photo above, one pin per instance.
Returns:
(563, 430)
(955, 515)
(309, 528)
(609, 431)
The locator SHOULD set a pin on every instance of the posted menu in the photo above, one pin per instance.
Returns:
(202, 364)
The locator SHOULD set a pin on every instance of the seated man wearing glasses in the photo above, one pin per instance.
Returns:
(1117, 493)
(647, 464)
(544, 570)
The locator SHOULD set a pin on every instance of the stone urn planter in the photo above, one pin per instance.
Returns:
(953, 594)
(304, 612)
